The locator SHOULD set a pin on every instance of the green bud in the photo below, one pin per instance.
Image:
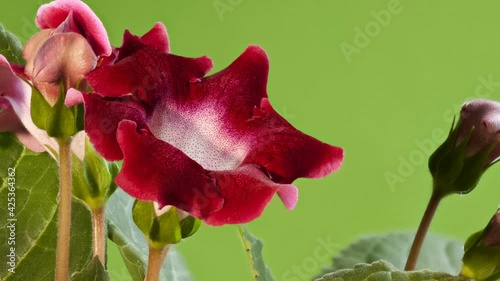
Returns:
(189, 226)
(163, 227)
(58, 120)
(94, 177)
(95, 171)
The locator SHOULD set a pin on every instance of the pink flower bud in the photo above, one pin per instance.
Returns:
(66, 49)
(482, 117)
(54, 58)
(470, 149)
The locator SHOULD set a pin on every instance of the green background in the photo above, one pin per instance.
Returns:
(388, 105)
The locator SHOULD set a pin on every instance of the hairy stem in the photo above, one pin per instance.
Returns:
(155, 262)
(99, 234)
(422, 231)
(64, 219)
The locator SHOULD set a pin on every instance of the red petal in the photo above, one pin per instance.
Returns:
(246, 192)
(108, 60)
(51, 15)
(218, 197)
(157, 38)
(241, 85)
(102, 118)
(207, 118)
(153, 170)
(285, 152)
(130, 44)
(248, 118)
(149, 75)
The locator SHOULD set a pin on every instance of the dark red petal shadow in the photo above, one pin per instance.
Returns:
(102, 118)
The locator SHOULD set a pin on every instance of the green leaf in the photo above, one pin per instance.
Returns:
(253, 248)
(132, 243)
(10, 47)
(36, 189)
(438, 252)
(93, 272)
(384, 271)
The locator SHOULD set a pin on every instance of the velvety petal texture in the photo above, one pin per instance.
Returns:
(157, 38)
(102, 118)
(177, 180)
(210, 145)
(246, 191)
(83, 21)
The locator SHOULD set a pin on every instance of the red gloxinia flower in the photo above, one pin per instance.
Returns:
(212, 146)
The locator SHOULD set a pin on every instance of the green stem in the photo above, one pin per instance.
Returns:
(422, 231)
(155, 262)
(64, 219)
(99, 234)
